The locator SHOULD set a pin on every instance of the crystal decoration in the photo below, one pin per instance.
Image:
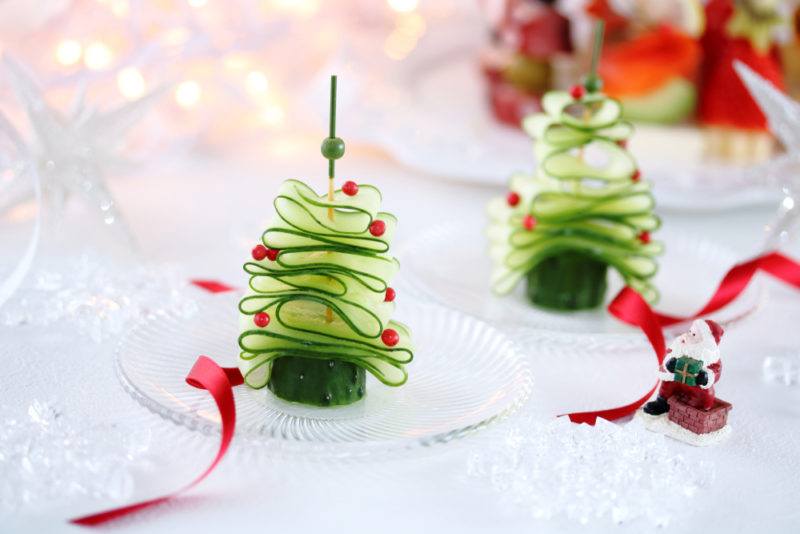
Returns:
(782, 368)
(72, 150)
(605, 472)
(17, 168)
(97, 297)
(49, 458)
(783, 117)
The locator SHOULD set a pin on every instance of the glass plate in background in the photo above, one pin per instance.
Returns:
(459, 277)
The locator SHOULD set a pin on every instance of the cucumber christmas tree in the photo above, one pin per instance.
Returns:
(317, 313)
(585, 209)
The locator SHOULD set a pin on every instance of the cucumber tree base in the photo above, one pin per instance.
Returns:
(568, 281)
(316, 381)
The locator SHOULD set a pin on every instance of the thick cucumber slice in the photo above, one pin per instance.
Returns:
(317, 382)
(568, 281)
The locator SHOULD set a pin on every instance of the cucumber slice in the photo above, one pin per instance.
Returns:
(565, 165)
(560, 135)
(592, 112)
(561, 207)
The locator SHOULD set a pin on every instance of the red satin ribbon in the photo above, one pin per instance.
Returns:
(629, 307)
(219, 382)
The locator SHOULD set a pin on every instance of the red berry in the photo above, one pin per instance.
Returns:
(637, 175)
(390, 337)
(377, 228)
(272, 254)
(390, 294)
(261, 319)
(512, 199)
(259, 252)
(644, 237)
(529, 222)
(577, 92)
(350, 188)
(623, 143)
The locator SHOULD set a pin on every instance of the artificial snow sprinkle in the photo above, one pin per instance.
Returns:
(605, 472)
(47, 458)
(98, 298)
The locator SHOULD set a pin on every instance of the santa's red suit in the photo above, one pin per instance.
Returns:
(701, 343)
(698, 396)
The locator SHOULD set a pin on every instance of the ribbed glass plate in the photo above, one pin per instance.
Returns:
(465, 374)
(689, 272)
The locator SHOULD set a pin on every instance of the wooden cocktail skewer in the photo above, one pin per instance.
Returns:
(332, 149)
(592, 83)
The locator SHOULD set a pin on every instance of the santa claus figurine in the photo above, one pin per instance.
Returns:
(693, 366)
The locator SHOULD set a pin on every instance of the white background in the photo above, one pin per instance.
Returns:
(198, 212)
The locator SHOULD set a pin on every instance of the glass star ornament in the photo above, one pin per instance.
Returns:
(73, 150)
(783, 117)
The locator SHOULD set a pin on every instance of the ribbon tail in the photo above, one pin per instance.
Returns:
(212, 286)
(631, 308)
(612, 414)
(219, 382)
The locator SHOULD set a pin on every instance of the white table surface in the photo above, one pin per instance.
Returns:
(196, 212)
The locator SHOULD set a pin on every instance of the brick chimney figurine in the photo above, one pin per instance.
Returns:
(686, 407)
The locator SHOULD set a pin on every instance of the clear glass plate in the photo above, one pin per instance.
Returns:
(465, 374)
(689, 271)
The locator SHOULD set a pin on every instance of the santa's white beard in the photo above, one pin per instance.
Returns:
(706, 352)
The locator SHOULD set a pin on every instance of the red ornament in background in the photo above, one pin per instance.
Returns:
(272, 254)
(259, 252)
(377, 228)
(529, 222)
(524, 33)
(390, 295)
(390, 337)
(261, 319)
(601, 9)
(512, 199)
(724, 100)
(350, 188)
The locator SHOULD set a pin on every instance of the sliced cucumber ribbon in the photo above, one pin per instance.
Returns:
(325, 292)
(591, 205)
